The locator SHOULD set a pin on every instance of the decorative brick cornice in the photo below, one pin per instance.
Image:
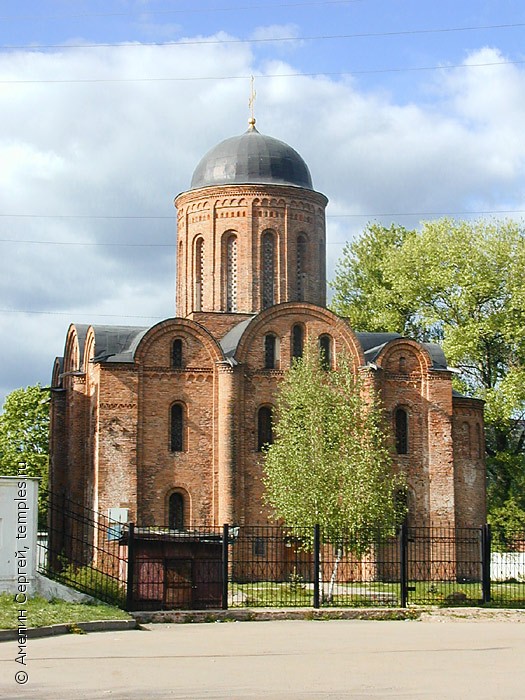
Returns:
(250, 191)
(111, 406)
(184, 370)
(268, 374)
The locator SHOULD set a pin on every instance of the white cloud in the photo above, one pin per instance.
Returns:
(275, 33)
(124, 149)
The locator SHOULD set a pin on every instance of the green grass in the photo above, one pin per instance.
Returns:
(270, 595)
(41, 612)
(377, 594)
(93, 582)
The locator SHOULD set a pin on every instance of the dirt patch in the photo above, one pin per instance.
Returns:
(471, 615)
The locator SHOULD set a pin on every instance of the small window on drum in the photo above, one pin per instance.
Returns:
(199, 273)
(264, 427)
(301, 268)
(176, 354)
(325, 352)
(268, 269)
(401, 431)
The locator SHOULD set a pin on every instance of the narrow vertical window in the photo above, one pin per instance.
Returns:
(271, 351)
(268, 269)
(297, 341)
(180, 274)
(401, 430)
(176, 354)
(479, 441)
(176, 511)
(177, 428)
(301, 268)
(325, 351)
(465, 441)
(231, 274)
(264, 427)
(199, 273)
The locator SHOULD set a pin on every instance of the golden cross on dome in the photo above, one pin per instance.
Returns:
(251, 103)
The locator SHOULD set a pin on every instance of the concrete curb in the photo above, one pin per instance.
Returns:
(71, 628)
(422, 614)
(265, 614)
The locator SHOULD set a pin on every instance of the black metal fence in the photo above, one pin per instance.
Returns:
(271, 566)
(155, 568)
(82, 550)
(507, 572)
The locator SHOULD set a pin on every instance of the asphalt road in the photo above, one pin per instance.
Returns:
(281, 660)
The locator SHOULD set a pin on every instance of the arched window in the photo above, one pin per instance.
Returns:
(271, 351)
(264, 427)
(301, 267)
(176, 354)
(177, 428)
(176, 511)
(401, 431)
(325, 351)
(231, 274)
(199, 273)
(268, 269)
(297, 340)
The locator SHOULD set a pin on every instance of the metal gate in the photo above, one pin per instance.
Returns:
(441, 565)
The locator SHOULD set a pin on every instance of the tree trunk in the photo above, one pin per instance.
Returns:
(333, 577)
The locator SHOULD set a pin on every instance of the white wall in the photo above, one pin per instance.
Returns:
(507, 565)
(18, 533)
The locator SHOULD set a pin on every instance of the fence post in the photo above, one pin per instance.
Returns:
(317, 564)
(67, 532)
(131, 566)
(403, 564)
(225, 537)
(486, 553)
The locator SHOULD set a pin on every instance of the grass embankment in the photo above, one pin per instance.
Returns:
(40, 612)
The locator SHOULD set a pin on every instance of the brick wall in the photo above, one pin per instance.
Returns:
(213, 214)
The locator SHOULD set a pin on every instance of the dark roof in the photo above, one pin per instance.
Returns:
(373, 343)
(251, 158)
(231, 340)
(439, 361)
(117, 343)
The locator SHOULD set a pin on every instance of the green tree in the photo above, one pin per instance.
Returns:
(329, 462)
(508, 525)
(460, 284)
(24, 437)
(363, 284)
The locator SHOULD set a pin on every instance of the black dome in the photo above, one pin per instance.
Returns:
(252, 158)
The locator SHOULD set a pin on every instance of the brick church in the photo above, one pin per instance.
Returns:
(166, 423)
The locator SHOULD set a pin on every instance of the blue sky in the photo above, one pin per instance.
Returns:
(403, 110)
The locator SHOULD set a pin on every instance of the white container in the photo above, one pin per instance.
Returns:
(18, 535)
